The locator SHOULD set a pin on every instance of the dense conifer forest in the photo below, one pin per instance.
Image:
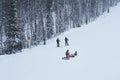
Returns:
(26, 23)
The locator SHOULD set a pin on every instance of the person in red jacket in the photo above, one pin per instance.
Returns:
(67, 53)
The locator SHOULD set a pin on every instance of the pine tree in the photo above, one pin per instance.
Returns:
(12, 43)
(49, 18)
(49, 26)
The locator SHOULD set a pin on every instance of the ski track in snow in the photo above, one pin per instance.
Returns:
(98, 57)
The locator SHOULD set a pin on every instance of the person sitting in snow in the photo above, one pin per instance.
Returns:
(74, 54)
(67, 53)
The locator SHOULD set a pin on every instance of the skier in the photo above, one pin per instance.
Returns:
(66, 41)
(58, 42)
(67, 53)
(44, 40)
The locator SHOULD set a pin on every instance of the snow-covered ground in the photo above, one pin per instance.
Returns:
(98, 46)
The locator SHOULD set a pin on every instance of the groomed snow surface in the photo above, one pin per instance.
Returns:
(98, 46)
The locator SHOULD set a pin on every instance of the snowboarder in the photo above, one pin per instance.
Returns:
(66, 41)
(58, 42)
(67, 53)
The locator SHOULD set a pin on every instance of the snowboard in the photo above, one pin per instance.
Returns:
(65, 58)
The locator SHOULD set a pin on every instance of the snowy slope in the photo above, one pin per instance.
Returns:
(98, 55)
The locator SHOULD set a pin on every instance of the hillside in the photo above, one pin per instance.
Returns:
(98, 57)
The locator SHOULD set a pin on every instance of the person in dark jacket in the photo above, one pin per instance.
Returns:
(66, 41)
(44, 41)
(58, 42)
(74, 54)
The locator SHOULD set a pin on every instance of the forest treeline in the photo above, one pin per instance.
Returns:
(25, 23)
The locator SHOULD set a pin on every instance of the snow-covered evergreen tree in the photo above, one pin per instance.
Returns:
(12, 43)
(25, 23)
(49, 19)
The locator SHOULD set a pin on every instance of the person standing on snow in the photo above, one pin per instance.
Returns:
(66, 41)
(44, 41)
(58, 42)
(67, 53)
